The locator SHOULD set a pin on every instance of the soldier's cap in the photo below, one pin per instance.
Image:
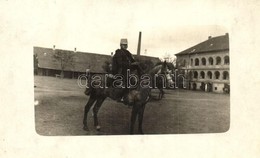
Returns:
(123, 41)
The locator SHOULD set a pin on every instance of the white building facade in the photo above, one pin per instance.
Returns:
(205, 66)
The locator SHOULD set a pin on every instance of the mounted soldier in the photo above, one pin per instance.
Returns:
(136, 98)
(121, 62)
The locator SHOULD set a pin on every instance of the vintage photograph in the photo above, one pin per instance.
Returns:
(130, 79)
(153, 89)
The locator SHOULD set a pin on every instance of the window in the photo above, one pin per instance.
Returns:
(195, 74)
(225, 75)
(191, 62)
(197, 62)
(210, 61)
(194, 86)
(217, 74)
(184, 63)
(226, 60)
(202, 74)
(209, 74)
(203, 61)
(218, 61)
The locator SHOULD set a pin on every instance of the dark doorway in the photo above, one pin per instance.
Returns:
(202, 87)
(194, 86)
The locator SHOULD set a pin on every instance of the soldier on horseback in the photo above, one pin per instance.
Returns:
(121, 62)
(136, 98)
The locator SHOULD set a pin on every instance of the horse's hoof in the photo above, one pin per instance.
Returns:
(98, 128)
(85, 128)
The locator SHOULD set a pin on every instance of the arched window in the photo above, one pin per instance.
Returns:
(226, 60)
(196, 75)
(191, 62)
(210, 61)
(202, 74)
(218, 60)
(197, 62)
(209, 74)
(203, 61)
(225, 75)
(184, 63)
(217, 74)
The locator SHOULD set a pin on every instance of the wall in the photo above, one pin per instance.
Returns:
(189, 67)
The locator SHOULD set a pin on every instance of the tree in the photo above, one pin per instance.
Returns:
(65, 58)
(169, 58)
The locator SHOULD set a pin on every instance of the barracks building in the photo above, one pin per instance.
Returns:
(205, 66)
(46, 65)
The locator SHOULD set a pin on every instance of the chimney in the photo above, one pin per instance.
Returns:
(112, 53)
(226, 34)
(75, 49)
(53, 47)
(209, 37)
(139, 44)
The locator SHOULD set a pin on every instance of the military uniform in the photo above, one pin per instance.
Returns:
(122, 61)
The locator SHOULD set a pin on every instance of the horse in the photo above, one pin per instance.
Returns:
(136, 98)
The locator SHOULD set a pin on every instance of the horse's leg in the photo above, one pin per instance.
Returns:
(162, 93)
(96, 109)
(159, 86)
(140, 118)
(133, 118)
(87, 107)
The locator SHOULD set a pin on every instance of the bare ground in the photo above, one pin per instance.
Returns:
(61, 102)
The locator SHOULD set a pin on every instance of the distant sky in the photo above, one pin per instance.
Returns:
(97, 26)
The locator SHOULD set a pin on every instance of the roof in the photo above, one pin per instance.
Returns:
(219, 43)
(82, 60)
(141, 58)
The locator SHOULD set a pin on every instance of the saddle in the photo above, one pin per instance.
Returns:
(118, 94)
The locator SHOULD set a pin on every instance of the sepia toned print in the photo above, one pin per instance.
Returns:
(81, 93)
